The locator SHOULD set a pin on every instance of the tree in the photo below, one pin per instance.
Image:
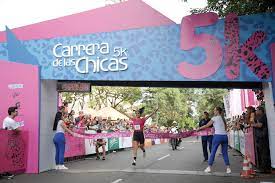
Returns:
(173, 103)
(208, 99)
(115, 97)
(241, 7)
(73, 97)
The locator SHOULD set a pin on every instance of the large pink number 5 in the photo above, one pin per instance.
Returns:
(209, 43)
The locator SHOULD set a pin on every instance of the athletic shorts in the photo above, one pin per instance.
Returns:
(100, 143)
(139, 137)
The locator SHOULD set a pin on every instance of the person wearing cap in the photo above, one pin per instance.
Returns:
(138, 123)
(261, 141)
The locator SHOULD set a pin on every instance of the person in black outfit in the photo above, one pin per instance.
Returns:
(261, 141)
(58, 117)
(206, 140)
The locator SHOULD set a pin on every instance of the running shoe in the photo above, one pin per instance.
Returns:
(207, 170)
(62, 167)
(228, 170)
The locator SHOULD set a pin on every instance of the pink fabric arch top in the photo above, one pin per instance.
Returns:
(131, 14)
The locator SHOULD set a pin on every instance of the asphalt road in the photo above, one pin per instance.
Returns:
(161, 165)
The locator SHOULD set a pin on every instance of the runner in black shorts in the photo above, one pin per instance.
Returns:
(138, 136)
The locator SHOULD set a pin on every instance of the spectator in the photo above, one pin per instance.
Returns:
(71, 116)
(100, 143)
(80, 117)
(220, 137)
(59, 142)
(10, 124)
(261, 139)
(58, 117)
(206, 140)
(66, 105)
(250, 115)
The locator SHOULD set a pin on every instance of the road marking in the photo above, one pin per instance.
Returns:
(164, 157)
(116, 181)
(181, 148)
(153, 171)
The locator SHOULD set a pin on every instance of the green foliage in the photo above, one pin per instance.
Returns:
(208, 99)
(183, 105)
(114, 96)
(241, 7)
(173, 103)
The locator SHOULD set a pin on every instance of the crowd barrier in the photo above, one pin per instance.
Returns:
(243, 142)
(13, 151)
(81, 146)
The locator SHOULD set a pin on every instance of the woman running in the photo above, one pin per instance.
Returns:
(138, 136)
(219, 138)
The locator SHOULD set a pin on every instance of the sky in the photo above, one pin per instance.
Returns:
(17, 13)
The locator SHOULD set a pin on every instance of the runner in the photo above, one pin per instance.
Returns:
(138, 136)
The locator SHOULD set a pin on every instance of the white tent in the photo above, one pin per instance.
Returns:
(107, 112)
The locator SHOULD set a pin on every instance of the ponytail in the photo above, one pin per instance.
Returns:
(224, 121)
(219, 109)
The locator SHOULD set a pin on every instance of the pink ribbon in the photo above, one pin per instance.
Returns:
(148, 135)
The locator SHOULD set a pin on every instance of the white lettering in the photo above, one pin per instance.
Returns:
(123, 51)
(114, 63)
(77, 65)
(101, 65)
(67, 56)
(116, 52)
(54, 50)
(90, 49)
(123, 63)
(57, 63)
(104, 49)
(94, 65)
(66, 51)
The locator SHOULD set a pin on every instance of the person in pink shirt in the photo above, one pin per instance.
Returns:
(138, 136)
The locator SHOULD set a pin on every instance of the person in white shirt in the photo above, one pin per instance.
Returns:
(220, 138)
(59, 142)
(9, 123)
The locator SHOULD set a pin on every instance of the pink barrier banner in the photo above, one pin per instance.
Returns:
(249, 145)
(74, 146)
(148, 135)
(13, 151)
(103, 135)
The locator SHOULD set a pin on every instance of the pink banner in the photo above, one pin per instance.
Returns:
(74, 146)
(251, 98)
(243, 100)
(21, 89)
(13, 151)
(249, 145)
(148, 135)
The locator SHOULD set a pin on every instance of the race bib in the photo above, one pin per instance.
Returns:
(137, 127)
